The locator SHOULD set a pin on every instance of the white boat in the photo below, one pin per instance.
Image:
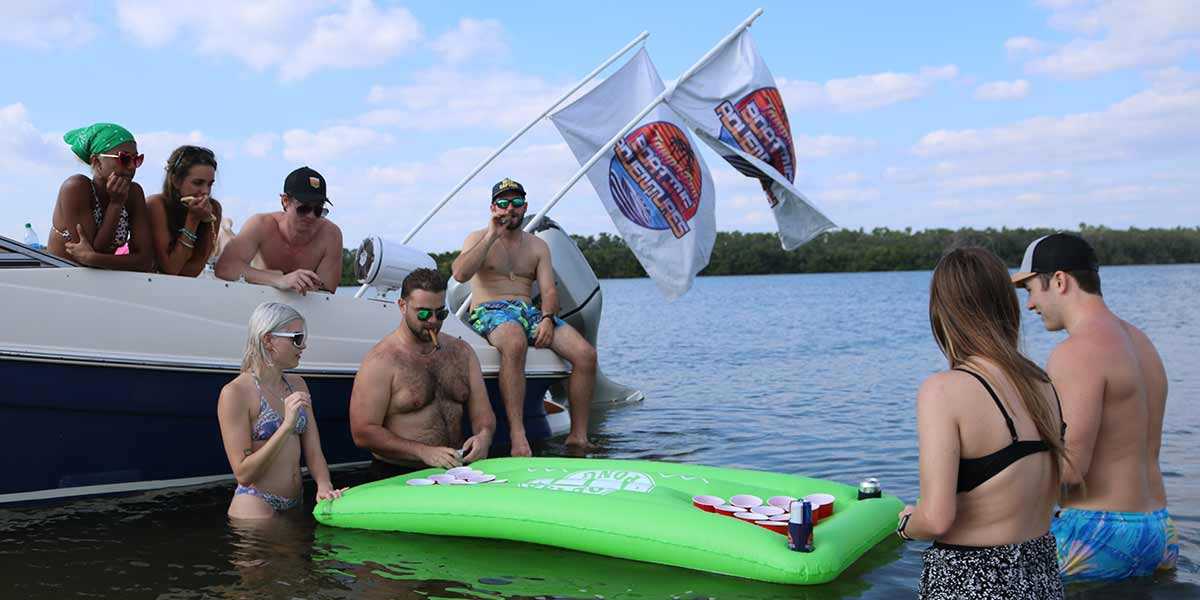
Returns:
(111, 378)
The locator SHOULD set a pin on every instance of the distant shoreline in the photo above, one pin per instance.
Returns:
(880, 249)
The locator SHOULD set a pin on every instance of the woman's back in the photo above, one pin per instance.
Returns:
(1007, 489)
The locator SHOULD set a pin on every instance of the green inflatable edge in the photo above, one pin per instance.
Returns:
(631, 509)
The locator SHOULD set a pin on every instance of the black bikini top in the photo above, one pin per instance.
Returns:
(974, 471)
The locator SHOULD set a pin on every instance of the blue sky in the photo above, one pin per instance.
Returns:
(947, 114)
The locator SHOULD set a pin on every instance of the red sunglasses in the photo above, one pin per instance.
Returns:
(127, 160)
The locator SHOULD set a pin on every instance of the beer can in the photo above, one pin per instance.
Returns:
(869, 488)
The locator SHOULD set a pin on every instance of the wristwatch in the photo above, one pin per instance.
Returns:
(546, 316)
(900, 528)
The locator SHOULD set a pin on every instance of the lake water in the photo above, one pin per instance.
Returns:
(806, 374)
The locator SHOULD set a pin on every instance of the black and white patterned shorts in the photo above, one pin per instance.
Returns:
(1015, 571)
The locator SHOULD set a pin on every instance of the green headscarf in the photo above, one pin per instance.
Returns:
(89, 141)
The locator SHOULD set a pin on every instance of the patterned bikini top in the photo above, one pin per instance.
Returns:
(269, 420)
(122, 234)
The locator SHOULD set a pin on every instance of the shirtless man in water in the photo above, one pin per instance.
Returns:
(299, 248)
(1114, 393)
(411, 390)
(502, 262)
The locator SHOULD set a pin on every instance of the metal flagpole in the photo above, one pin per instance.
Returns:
(590, 76)
(624, 130)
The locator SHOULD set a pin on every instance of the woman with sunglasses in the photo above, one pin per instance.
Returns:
(94, 216)
(267, 422)
(184, 218)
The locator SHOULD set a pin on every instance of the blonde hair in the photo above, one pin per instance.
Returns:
(267, 317)
(974, 312)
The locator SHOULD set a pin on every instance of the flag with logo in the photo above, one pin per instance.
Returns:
(653, 182)
(733, 105)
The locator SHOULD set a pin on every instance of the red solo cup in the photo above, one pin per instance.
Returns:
(776, 526)
(768, 510)
(750, 516)
(784, 502)
(728, 509)
(822, 505)
(746, 501)
(707, 503)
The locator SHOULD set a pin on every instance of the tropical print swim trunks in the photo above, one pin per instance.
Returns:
(488, 316)
(1109, 546)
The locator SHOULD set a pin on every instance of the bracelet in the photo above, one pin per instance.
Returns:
(187, 233)
(544, 317)
(186, 244)
(900, 528)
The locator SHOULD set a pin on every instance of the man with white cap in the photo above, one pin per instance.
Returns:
(1114, 522)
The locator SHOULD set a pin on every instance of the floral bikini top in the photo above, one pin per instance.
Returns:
(269, 419)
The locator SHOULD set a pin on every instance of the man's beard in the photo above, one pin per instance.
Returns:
(515, 222)
(421, 333)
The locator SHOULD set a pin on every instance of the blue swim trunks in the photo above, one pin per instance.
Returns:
(488, 316)
(1109, 546)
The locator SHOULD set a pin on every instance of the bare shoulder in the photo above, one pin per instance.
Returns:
(75, 188)
(939, 388)
(1076, 351)
(331, 234)
(538, 244)
(297, 382)
(237, 391)
(475, 235)
(257, 224)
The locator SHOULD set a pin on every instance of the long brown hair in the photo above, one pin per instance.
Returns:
(974, 312)
(179, 164)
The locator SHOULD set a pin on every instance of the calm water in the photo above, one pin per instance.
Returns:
(811, 374)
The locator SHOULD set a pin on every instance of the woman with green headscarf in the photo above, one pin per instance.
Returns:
(95, 216)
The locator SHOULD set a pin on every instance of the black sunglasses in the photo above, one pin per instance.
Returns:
(316, 210)
(504, 202)
(423, 314)
(297, 337)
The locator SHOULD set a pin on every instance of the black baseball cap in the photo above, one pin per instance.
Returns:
(306, 185)
(1056, 252)
(507, 185)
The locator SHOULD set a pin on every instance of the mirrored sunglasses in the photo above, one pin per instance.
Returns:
(297, 337)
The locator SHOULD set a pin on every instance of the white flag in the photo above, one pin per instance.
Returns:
(733, 105)
(653, 183)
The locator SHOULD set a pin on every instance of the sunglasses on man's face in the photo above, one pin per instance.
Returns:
(423, 314)
(297, 337)
(504, 202)
(125, 159)
(315, 210)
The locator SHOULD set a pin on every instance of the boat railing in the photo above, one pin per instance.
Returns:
(15, 255)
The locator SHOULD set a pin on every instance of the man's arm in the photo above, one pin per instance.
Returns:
(368, 407)
(330, 269)
(474, 253)
(483, 420)
(1081, 391)
(545, 277)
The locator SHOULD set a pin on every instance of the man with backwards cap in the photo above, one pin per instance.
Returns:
(501, 261)
(300, 249)
(1114, 390)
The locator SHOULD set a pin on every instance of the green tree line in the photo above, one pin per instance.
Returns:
(880, 249)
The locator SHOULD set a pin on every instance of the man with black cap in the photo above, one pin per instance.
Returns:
(501, 261)
(1114, 390)
(299, 248)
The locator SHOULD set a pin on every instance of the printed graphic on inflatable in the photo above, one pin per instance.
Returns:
(758, 125)
(655, 178)
(600, 482)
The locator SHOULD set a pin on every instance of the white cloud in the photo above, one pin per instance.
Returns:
(471, 39)
(1003, 180)
(442, 98)
(1154, 122)
(864, 92)
(24, 147)
(158, 145)
(45, 24)
(1023, 45)
(260, 145)
(1133, 33)
(298, 37)
(1002, 90)
(329, 144)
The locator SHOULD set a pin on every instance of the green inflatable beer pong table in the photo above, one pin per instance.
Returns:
(637, 510)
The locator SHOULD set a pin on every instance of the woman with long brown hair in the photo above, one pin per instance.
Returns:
(990, 436)
(184, 218)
